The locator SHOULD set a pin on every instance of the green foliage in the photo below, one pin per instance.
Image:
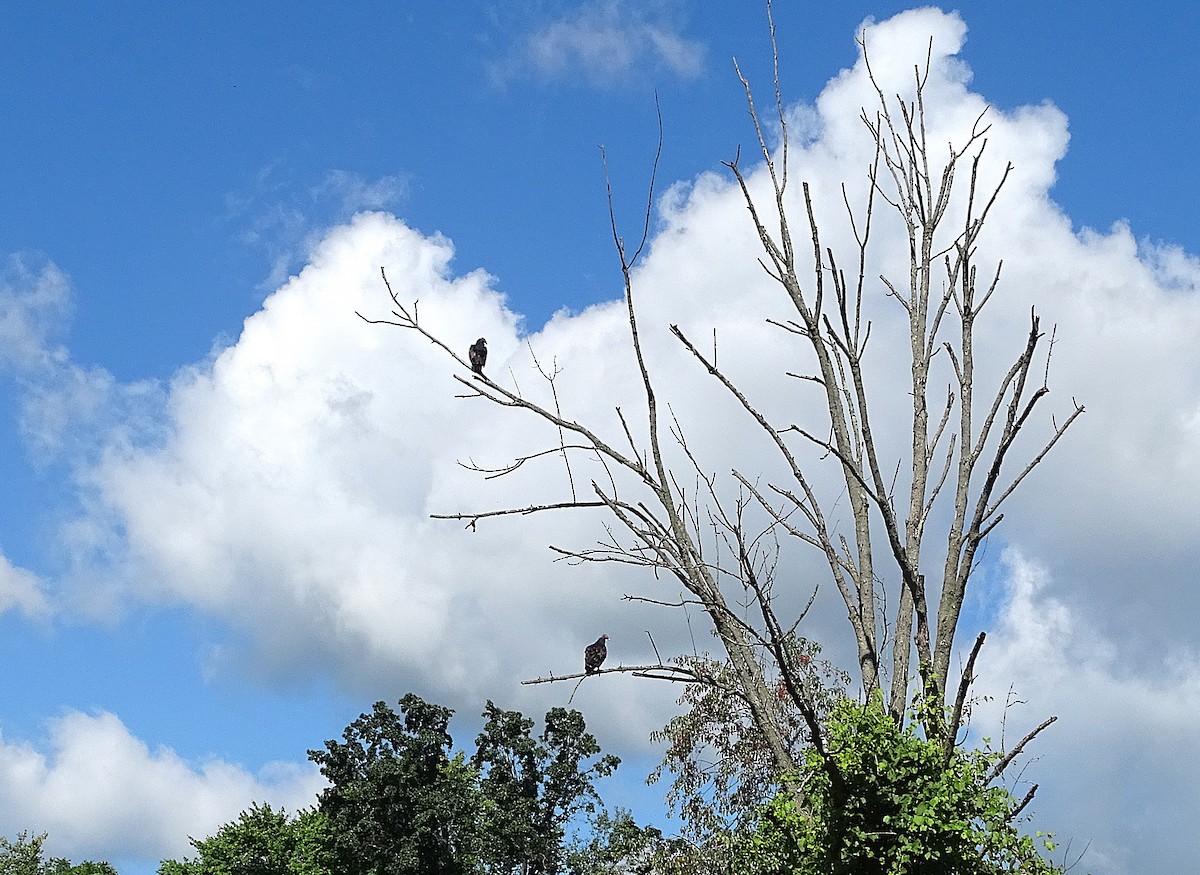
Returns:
(533, 787)
(59, 866)
(616, 845)
(897, 806)
(400, 801)
(262, 842)
(723, 769)
(24, 857)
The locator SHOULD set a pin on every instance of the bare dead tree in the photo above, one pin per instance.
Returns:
(970, 462)
(961, 457)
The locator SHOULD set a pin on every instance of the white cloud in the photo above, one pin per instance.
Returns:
(1120, 770)
(286, 484)
(35, 302)
(352, 192)
(22, 589)
(102, 793)
(294, 477)
(605, 40)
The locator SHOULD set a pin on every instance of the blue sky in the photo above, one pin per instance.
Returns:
(154, 140)
(167, 168)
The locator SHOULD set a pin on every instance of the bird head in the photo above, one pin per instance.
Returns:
(482, 341)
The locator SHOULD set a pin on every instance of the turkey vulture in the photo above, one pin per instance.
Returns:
(478, 355)
(593, 655)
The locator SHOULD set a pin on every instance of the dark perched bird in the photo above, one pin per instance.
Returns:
(478, 355)
(593, 655)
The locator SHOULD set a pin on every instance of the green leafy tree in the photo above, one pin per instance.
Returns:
(401, 800)
(533, 787)
(398, 801)
(262, 842)
(24, 857)
(722, 767)
(60, 866)
(898, 804)
(616, 845)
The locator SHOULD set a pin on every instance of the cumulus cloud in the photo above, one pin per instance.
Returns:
(292, 485)
(286, 485)
(291, 490)
(1118, 772)
(605, 41)
(136, 801)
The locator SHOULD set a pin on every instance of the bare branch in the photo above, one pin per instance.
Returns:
(492, 473)
(1012, 815)
(655, 646)
(550, 378)
(1004, 761)
(669, 672)
(475, 516)
(956, 716)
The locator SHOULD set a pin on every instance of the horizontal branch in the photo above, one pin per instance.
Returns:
(492, 473)
(474, 517)
(682, 602)
(670, 673)
(621, 555)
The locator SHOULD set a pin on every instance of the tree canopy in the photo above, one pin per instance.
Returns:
(898, 804)
(25, 857)
(401, 800)
(262, 842)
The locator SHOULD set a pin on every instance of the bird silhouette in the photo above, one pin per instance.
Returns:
(478, 355)
(594, 654)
